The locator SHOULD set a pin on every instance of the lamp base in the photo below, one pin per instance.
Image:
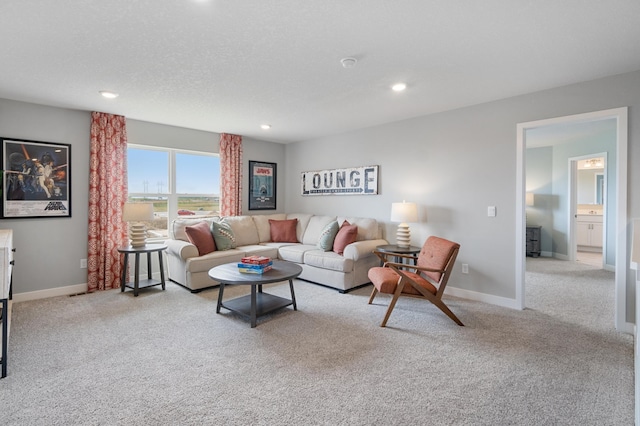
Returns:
(403, 236)
(138, 235)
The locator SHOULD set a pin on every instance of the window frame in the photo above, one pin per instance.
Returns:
(172, 196)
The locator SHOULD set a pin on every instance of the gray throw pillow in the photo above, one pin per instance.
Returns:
(327, 235)
(223, 235)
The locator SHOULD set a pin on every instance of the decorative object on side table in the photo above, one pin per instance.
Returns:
(136, 214)
(404, 212)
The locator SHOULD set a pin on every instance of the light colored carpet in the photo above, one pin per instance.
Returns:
(167, 358)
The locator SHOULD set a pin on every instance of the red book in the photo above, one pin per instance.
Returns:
(256, 260)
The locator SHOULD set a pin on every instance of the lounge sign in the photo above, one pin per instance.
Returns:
(351, 181)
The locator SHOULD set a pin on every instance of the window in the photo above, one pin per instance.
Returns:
(177, 182)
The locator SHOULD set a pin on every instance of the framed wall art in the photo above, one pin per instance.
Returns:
(37, 179)
(350, 181)
(262, 185)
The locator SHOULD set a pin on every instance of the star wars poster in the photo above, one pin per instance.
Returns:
(37, 177)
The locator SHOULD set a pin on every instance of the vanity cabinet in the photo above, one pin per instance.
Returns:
(589, 230)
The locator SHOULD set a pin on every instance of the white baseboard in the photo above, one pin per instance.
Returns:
(51, 292)
(63, 291)
(482, 297)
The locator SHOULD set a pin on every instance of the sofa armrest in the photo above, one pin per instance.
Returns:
(361, 249)
(181, 249)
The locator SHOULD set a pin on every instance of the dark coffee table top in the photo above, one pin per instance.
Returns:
(281, 271)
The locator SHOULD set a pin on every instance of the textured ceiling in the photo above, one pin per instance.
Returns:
(229, 66)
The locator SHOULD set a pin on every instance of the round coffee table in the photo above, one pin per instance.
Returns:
(257, 303)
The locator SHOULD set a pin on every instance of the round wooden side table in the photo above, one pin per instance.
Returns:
(137, 251)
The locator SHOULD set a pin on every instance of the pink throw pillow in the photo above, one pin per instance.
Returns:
(200, 236)
(283, 231)
(345, 236)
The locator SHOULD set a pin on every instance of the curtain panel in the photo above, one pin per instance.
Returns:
(231, 175)
(107, 195)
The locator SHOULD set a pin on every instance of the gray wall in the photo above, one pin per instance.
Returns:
(49, 250)
(539, 182)
(547, 174)
(561, 155)
(455, 164)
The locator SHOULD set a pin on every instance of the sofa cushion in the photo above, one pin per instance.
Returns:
(283, 231)
(262, 224)
(208, 261)
(177, 232)
(223, 235)
(367, 227)
(328, 260)
(345, 236)
(294, 252)
(244, 229)
(327, 236)
(200, 236)
(314, 229)
(303, 221)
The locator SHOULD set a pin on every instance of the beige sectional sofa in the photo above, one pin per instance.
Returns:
(253, 237)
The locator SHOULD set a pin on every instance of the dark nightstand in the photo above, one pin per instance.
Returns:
(533, 240)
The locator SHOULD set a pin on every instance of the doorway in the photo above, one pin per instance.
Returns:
(620, 205)
(588, 210)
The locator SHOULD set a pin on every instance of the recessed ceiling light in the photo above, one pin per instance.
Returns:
(348, 62)
(109, 95)
(265, 126)
(399, 87)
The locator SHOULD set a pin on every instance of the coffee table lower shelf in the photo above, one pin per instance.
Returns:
(265, 303)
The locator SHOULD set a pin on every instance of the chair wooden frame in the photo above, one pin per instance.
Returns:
(404, 280)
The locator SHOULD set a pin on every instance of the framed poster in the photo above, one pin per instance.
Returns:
(37, 179)
(262, 185)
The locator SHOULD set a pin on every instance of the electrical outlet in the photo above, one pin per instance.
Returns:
(465, 268)
(83, 263)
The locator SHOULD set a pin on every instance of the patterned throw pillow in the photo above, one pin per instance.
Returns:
(200, 236)
(327, 235)
(223, 235)
(345, 236)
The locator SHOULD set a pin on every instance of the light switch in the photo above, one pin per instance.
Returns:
(491, 211)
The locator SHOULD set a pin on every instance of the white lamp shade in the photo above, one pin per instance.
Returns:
(404, 212)
(529, 198)
(137, 212)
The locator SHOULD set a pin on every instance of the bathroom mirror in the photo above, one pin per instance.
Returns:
(591, 186)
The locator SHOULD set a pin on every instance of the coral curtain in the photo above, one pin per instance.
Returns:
(107, 195)
(231, 175)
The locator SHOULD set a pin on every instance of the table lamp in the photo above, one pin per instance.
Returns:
(136, 214)
(404, 212)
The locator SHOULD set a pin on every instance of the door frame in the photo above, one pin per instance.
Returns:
(621, 265)
(573, 207)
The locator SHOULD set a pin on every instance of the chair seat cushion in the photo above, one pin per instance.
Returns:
(386, 281)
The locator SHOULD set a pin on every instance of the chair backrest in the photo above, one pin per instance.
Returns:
(438, 253)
